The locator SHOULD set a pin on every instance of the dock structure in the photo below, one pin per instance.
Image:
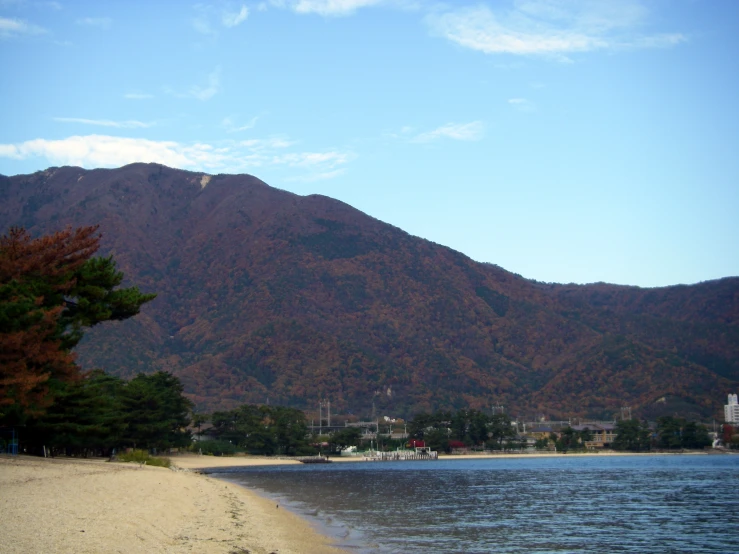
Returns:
(314, 460)
(401, 455)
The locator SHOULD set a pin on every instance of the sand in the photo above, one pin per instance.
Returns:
(195, 462)
(79, 506)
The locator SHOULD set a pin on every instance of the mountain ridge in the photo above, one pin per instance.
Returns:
(265, 295)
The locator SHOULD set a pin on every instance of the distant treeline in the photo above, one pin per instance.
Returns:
(669, 433)
(443, 430)
(266, 430)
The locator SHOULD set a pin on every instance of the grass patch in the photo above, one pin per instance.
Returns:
(142, 456)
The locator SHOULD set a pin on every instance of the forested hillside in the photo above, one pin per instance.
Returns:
(266, 296)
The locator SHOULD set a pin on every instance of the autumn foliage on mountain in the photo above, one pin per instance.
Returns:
(264, 296)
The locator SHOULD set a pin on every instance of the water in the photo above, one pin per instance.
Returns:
(565, 504)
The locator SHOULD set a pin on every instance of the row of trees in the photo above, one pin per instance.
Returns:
(99, 413)
(570, 439)
(670, 433)
(442, 430)
(267, 430)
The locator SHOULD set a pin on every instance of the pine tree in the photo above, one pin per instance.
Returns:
(156, 412)
(51, 289)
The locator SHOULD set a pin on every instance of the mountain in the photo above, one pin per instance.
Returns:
(267, 296)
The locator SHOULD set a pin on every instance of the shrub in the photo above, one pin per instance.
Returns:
(215, 448)
(142, 456)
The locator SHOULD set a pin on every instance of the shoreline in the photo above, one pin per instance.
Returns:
(196, 462)
(67, 505)
(338, 530)
(71, 505)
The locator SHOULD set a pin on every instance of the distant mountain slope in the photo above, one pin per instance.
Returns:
(269, 296)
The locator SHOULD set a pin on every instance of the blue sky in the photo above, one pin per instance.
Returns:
(567, 141)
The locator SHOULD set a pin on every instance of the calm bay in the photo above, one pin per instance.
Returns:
(657, 503)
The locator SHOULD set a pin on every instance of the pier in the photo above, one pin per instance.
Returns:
(401, 455)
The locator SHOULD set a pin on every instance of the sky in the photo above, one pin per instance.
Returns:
(567, 141)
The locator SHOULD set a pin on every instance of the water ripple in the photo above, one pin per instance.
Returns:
(680, 504)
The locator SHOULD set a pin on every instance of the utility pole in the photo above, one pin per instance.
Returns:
(321, 405)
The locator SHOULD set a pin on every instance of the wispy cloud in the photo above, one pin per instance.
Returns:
(315, 166)
(131, 124)
(203, 26)
(472, 131)
(10, 28)
(210, 89)
(232, 19)
(551, 28)
(229, 156)
(313, 159)
(265, 145)
(232, 127)
(137, 96)
(209, 18)
(327, 7)
(101, 22)
(522, 104)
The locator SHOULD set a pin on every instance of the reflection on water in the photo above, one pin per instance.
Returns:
(594, 504)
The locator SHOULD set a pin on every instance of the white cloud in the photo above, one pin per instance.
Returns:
(102, 22)
(208, 17)
(100, 151)
(106, 151)
(137, 96)
(522, 104)
(550, 27)
(326, 7)
(232, 19)
(455, 131)
(202, 26)
(313, 159)
(208, 91)
(10, 28)
(261, 145)
(232, 127)
(131, 124)
(655, 41)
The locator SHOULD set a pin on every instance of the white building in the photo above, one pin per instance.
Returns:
(731, 410)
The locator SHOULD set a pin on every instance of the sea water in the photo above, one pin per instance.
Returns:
(670, 503)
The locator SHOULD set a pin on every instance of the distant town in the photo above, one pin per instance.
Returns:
(472, 431)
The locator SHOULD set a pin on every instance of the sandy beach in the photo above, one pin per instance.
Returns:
(74, 506)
